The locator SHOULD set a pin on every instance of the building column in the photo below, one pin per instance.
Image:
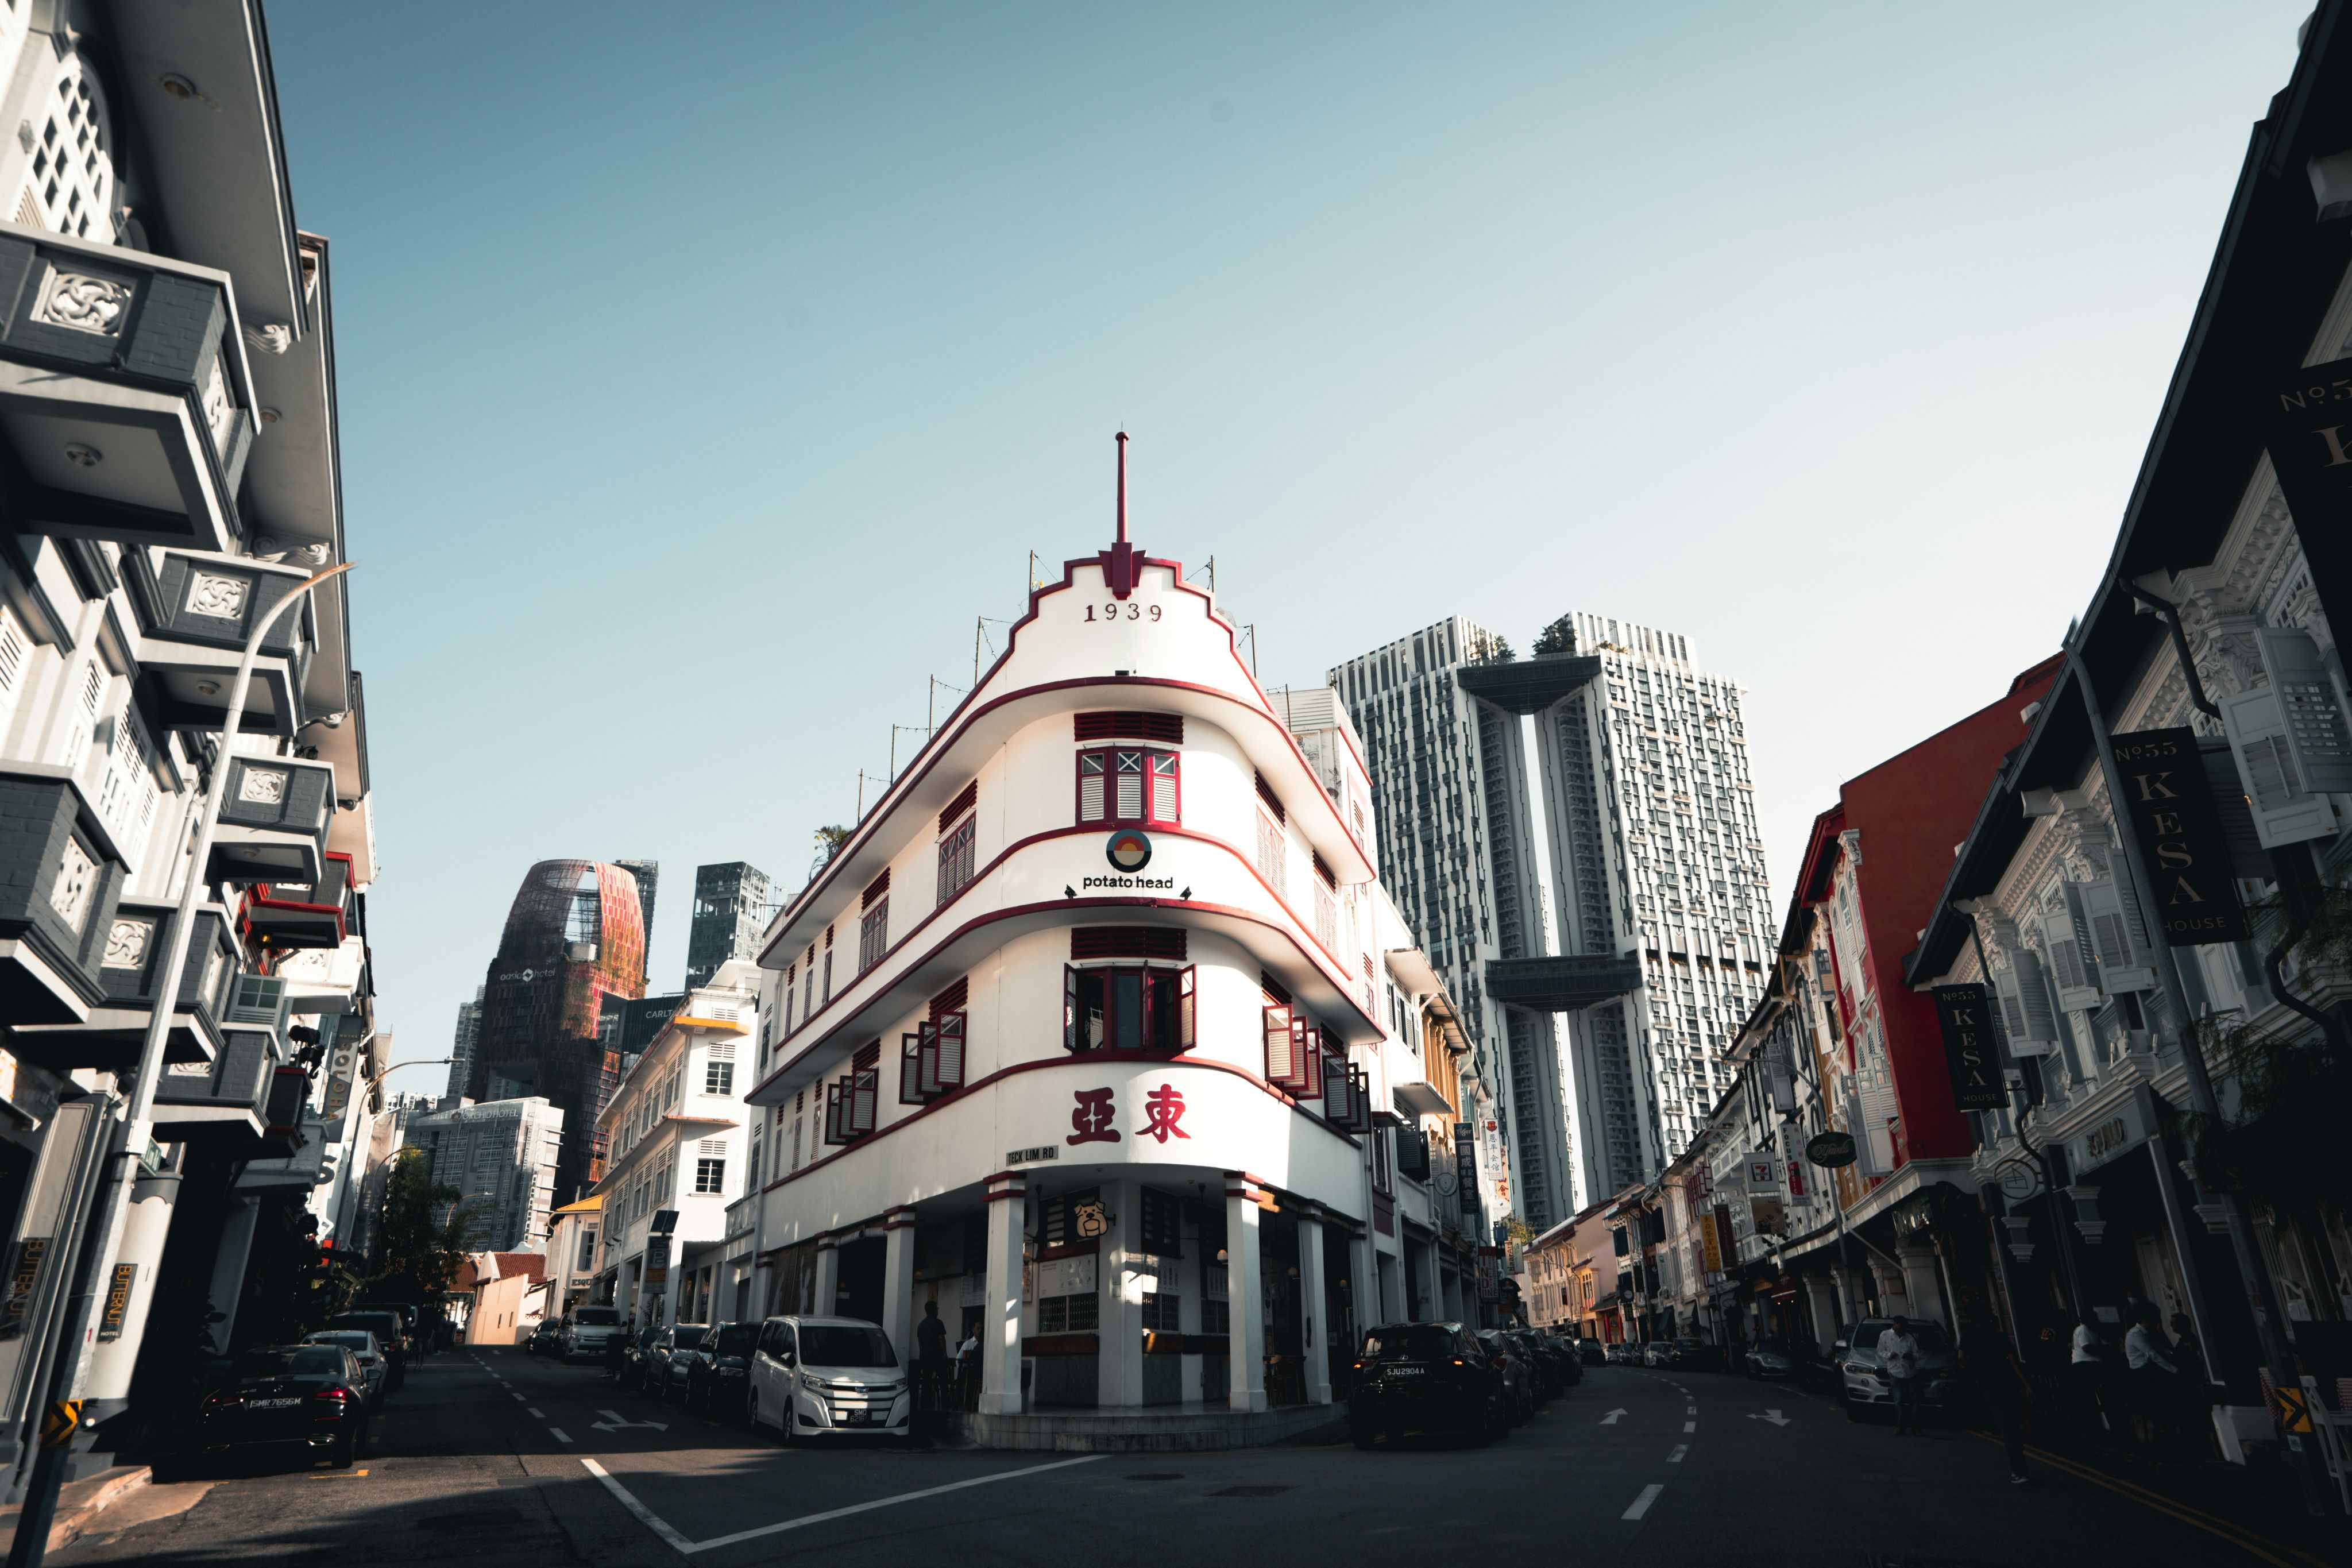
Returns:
(899, 1281)
(1000, 1321)
(1821, 1295)
(1919, 1284)
(1314, 1307)
(1119, 1367)
(828, 1278)
(1246, 1296)
(228, 1267)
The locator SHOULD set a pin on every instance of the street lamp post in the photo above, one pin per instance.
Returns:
(129, 1147)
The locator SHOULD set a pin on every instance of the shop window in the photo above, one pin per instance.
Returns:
(1127, 1009)
(1069, 1314)
(1163, 1312)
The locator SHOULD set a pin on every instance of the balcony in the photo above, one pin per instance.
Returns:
(59, 884)
(195, 614)
(112, 1031)
(125, 404)
(218, 1103)
(326, 979)
(282, 1118)
(283, 915)
(273, 816)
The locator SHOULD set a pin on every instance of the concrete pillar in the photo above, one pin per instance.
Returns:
(1118, 1369)
(1246, 1366)
(229, 1266)
(145, 1227)
(899, 1281)
(1920, 1286)
(1821, 1295)
(828, 1278)
(1315, 1308)
(1000, 1321)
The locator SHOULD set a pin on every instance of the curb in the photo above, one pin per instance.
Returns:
(80, 1502)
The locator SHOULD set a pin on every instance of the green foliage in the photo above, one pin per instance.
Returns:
(1558, 637)
(426, 1232)
(829, 841)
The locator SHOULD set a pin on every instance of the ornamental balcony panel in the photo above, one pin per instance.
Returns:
(125, 406)
(128, 975)
(220, 1102)
(282, 1114)
(274, 817)
(284, 916)
(195, 614)
(326, 979)
(59, 884)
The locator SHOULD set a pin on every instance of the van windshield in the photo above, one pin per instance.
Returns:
(596, 1317)
(844, 1344)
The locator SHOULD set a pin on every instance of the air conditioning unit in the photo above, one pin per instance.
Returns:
(257, 999)
(2292, 744)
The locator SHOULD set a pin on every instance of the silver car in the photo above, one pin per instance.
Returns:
(366, 1350)
(1863, 1375)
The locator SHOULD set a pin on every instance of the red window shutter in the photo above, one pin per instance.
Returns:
(868, 1055)
(1165, 803)
(1187, 1013)
(910, 1070)
(1128, 941)
(1359, 1100)
(1093, 805)
(1322, 869)
(927, 1061)
(1273, 801)
(948, 1052)
(864, 1092)
(964, 800)
(1070, 1041)
(1168, 727)
(1274, 989)
(1127, 769)
(833, 1099)
(950, 1000)
(1310, 1059)
(1335, 1091)
(1281, 1047)
(875, 890)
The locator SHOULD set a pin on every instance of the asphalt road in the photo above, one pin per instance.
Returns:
(490, 1454)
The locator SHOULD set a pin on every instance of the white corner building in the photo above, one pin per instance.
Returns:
(1097, 1032)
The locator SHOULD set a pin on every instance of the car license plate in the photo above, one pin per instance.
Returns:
(867, 1417)
(271, 1403)
(1405, 1370)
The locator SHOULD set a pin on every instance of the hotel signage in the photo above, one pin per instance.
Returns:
(1970, 1050)
(2310, 418)
(2181, 836)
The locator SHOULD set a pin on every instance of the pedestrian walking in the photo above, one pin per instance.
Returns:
(1898, 1353)
(1992, 1366)
(617, 1344)
(2086, 1370)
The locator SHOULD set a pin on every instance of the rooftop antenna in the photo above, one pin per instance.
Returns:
(1122, 487)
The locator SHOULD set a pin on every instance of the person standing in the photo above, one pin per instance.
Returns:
(932, 1354)
(1992, 1366)
(1898, 1353)
(2148, 1366)
(2087, 1370)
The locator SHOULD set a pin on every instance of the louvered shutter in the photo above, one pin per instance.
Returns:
(950, 1053)
(1071, 1041)
(1163, 788)
(832, 1112)
(1186, 1011)
(2125, 962)
(16, 652)
(1308, 1056)
(2075, 989)
(911, 1068)
(1281, 1048)
(1090, 786)
(1128, 778)
(866, 1089)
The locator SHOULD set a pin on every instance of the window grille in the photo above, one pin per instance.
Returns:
(718, 1078)
(955, 857)
(709, 1176)
(873, 935)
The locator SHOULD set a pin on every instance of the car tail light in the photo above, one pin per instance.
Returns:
(223, 1397)
(336, 1398)
(1498, 1361)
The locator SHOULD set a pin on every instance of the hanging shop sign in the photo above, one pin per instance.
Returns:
(1708, 1244)
(1970, 1050)
(1829, 1150)
(2019, 1180)
(657, 1262)
(2181, 836)
(2117, 1132)
(2310, 415)
(1465, 1164)
(1763, 1173)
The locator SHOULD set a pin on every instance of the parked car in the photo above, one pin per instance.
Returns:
(1769, 1360)
(287, 1395)
(1425, 1377)
(1592, 1353)
(1624, 1353)
(1549, 1365)
(1694, 1354)
(1522, 1393)
(667, 1359)
(634, 1354)
(1571, 1359)
(543, 1338)
(821, 1377)
(587, 1332)
(387, 1326)
(1862, 1376)
(722, 1372)
(366, 1350)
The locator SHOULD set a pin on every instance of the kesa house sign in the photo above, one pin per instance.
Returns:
(1128, 852)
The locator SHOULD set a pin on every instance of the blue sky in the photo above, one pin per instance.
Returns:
(704, 372)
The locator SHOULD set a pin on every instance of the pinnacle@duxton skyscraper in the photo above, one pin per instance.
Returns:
(1663, 929)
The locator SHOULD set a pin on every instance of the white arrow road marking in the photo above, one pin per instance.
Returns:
(1774, 1417)
(654, 1522)
(614, 1421)
(1611, 1419)
(1641, 1504)
(1676, 1456)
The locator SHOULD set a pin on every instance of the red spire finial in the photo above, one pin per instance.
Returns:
(1121, 438)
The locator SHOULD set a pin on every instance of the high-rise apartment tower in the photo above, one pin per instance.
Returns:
(731, 909)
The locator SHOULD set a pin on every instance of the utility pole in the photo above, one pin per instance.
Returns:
(126, 1150)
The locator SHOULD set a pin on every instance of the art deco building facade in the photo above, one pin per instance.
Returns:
(1092, 1032)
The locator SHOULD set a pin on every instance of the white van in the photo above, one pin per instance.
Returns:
(823, 1377)
(587, 1332)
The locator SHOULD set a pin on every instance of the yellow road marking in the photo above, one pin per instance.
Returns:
(2236, 1535)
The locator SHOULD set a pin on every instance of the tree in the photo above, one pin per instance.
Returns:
(829, 841)
(1558, 637)
(426, 1231)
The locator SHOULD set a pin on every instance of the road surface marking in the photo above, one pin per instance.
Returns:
(536, 1414)
(1690, 1409)
(1773, 1416)
(654, 1522)
(518, 1399)
(2236, 1535)
(561, 1434)
(1611, 1419)
(1689, 1426)
(1676, 1456)
(1641, 1504)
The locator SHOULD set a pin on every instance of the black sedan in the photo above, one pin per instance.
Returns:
(674, 1349)
(287, 1395)
(721, 1369)
(1425, 1377)
(1770, 1360)
(633, 1356)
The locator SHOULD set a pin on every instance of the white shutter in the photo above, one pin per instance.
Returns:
(1163, 786)
(1129, 782)
(16, 653)
(1090, 787)
(2121, 960)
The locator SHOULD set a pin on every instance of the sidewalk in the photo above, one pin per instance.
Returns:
(111, 1501)
(2256, 1507)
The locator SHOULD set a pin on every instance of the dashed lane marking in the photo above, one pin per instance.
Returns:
(686, 1548)
(1676, 1456)
(1641, 1504)
(535, 1414)
(1689, 1426)
(561, 1434)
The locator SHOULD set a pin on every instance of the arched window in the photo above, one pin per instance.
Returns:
(69, 187)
